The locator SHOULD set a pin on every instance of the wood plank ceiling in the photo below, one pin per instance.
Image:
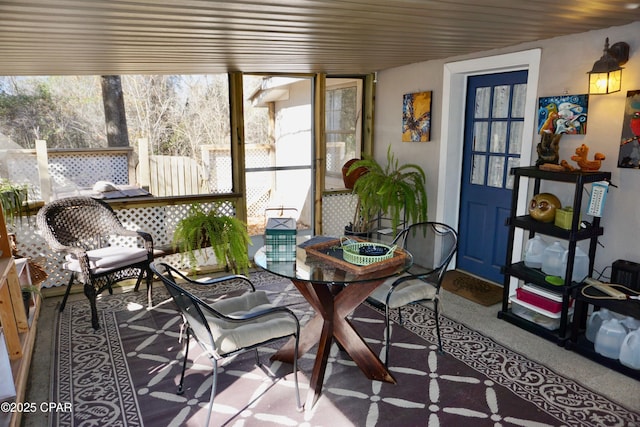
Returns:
(93, 37)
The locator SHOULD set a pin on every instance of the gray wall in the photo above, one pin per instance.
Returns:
(563, 64)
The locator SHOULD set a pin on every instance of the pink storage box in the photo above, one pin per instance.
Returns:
(533, 298)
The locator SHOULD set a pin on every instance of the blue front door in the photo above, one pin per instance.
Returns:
(494, 119)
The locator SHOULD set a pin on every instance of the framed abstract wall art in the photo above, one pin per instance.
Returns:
(416, 117)
(629, 155)
(566, 114)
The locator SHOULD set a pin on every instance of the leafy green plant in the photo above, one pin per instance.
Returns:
(395, 191)
(13, 198)
(226, 235)
(31, 289)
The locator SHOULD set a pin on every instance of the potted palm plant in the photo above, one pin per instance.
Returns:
(393, 191)
(226, 235)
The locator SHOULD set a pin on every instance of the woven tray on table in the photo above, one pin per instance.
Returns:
(351, 252)
(332, 252)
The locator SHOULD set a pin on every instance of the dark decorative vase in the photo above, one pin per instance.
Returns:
(350, 180)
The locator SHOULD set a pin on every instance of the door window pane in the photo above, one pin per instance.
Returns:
(517, 102)
(496, 171)
(498, 137)
(512, 162)
(515, 137)
(483, 100)
(501, 101)
(479, 166)
(480, 136)
(343, 116)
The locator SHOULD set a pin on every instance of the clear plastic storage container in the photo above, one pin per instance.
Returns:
(535, 314)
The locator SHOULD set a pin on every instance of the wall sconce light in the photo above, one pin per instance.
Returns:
(606, 74)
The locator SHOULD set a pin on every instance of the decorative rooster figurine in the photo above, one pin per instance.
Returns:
(587, 165)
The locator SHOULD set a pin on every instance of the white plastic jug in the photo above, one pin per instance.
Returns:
(609, 338)
(552, 260)
(630, 323)
(534, 251)
(580, 265)
(630, 350)
(595, 321)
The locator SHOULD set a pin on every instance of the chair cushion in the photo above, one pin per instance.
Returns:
(405, 293)
(109, 258)
(231, 336)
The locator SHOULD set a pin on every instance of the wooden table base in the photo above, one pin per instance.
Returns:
(330, 322)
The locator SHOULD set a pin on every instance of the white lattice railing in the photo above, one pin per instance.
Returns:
(69, 170)
(160, 221)
(337, 211)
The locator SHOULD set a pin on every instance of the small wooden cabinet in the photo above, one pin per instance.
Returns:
(18, 330)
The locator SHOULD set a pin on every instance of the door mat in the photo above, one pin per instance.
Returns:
(472, 288)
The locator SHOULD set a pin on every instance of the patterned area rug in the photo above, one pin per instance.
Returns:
(125, 374)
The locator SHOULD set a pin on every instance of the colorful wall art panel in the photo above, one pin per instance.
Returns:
(416, 117)
(629, 156)
(563, 114)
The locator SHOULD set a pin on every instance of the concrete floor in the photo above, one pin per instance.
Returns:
(611, 384)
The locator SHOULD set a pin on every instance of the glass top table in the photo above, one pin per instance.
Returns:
(334, 288)
(319, 266)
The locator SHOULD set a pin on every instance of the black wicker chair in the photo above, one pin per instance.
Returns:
(432, 245)
(85, 229)
(230, 325)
